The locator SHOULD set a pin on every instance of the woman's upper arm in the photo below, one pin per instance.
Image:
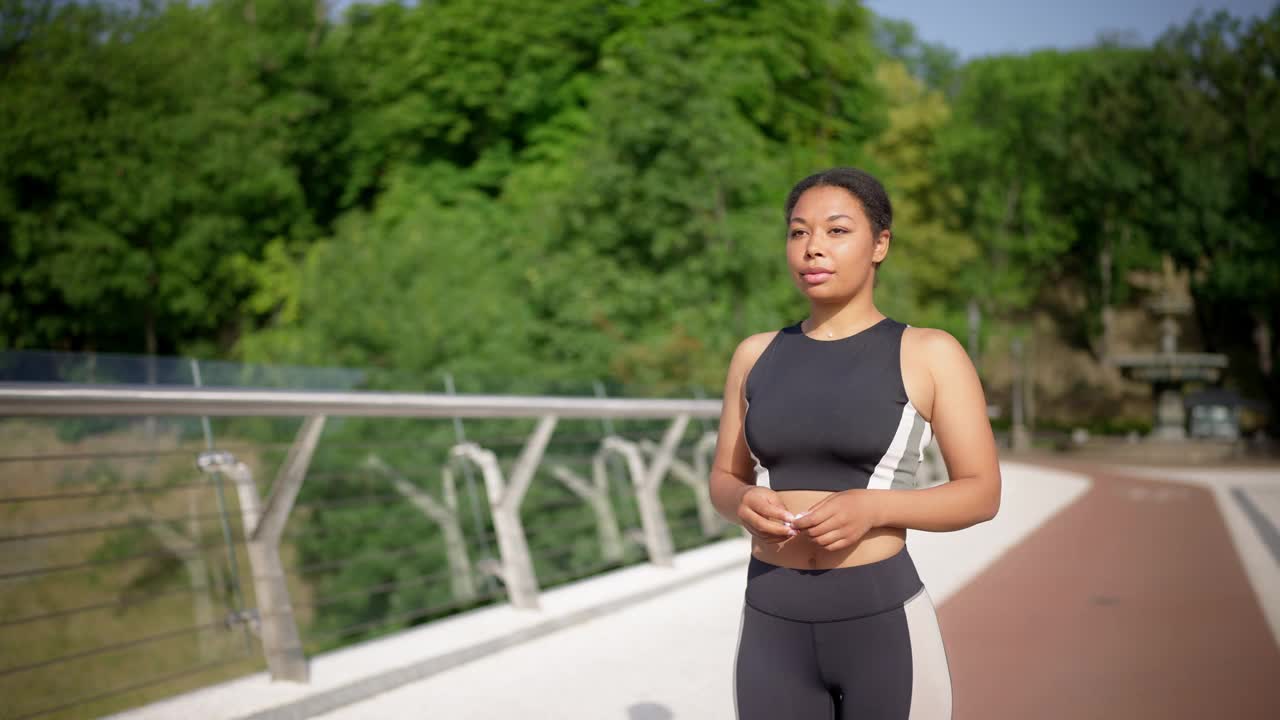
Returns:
(959, 414)
(732, 455)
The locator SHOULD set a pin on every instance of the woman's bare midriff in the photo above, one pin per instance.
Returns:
(802, 552)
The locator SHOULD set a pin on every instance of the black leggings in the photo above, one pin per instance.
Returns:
(857, 642)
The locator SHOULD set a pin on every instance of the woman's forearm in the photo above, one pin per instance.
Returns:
(954, 505)
(726, 494)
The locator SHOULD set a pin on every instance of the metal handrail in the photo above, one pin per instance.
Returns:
(263, 519)
(62, 399)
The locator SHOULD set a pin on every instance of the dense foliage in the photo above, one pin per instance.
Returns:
(591, 190)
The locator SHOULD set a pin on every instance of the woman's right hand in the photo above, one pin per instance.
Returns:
(764, 516)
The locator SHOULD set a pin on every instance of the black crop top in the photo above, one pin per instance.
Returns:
(833, 414)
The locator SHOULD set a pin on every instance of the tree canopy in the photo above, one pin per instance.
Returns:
(592, 190)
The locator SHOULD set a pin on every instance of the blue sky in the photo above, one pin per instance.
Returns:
(984, 27)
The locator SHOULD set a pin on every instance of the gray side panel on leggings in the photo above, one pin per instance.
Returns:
(742, 619)
(931, 676)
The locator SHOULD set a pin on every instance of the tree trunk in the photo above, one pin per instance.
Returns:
(1018, 439)
(975, 327)
(321, 13)
(1104, 269)
(1029, 397)
(1262, 337)
(152, 346)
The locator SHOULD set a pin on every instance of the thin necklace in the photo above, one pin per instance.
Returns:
(829, 334)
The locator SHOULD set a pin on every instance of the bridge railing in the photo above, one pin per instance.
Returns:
(649, 456)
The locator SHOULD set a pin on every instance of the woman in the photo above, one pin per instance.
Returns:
(823, 427)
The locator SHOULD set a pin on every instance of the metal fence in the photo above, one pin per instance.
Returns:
(139, 557)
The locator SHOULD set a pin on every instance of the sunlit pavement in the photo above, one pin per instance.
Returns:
(1096, 593)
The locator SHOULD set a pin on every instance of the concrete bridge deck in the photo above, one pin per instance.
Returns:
(1098, 592)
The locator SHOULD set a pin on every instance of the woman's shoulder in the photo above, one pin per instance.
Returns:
(937, 346)
(752, 347)
(750, 350)
(928, 335)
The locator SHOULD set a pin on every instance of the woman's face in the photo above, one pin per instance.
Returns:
(830, 245)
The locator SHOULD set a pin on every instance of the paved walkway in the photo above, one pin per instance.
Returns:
(1096, 593)
(671, 657)
(1131, 603)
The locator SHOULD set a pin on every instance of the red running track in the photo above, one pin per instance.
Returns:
(1130, 603)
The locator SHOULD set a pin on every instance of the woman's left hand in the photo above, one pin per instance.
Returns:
(839, 520)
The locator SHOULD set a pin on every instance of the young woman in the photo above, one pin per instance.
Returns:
(824, 425)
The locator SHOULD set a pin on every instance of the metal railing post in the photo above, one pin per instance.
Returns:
(657, 536)
(263, 526)
(596, 494)
(648, 481)
(444, 514)
(696, 478)
(504, 501)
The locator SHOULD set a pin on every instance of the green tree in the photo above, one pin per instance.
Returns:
(457, 85)
(135, 169)
(933, 64)
(927, 253)
(1219, 181)
(633, 182)
(699, 120)
(412, 286)
(1002, 150)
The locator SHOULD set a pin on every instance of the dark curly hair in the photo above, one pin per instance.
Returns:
(859, 183)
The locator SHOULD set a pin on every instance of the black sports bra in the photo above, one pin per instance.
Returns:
(833, 414)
